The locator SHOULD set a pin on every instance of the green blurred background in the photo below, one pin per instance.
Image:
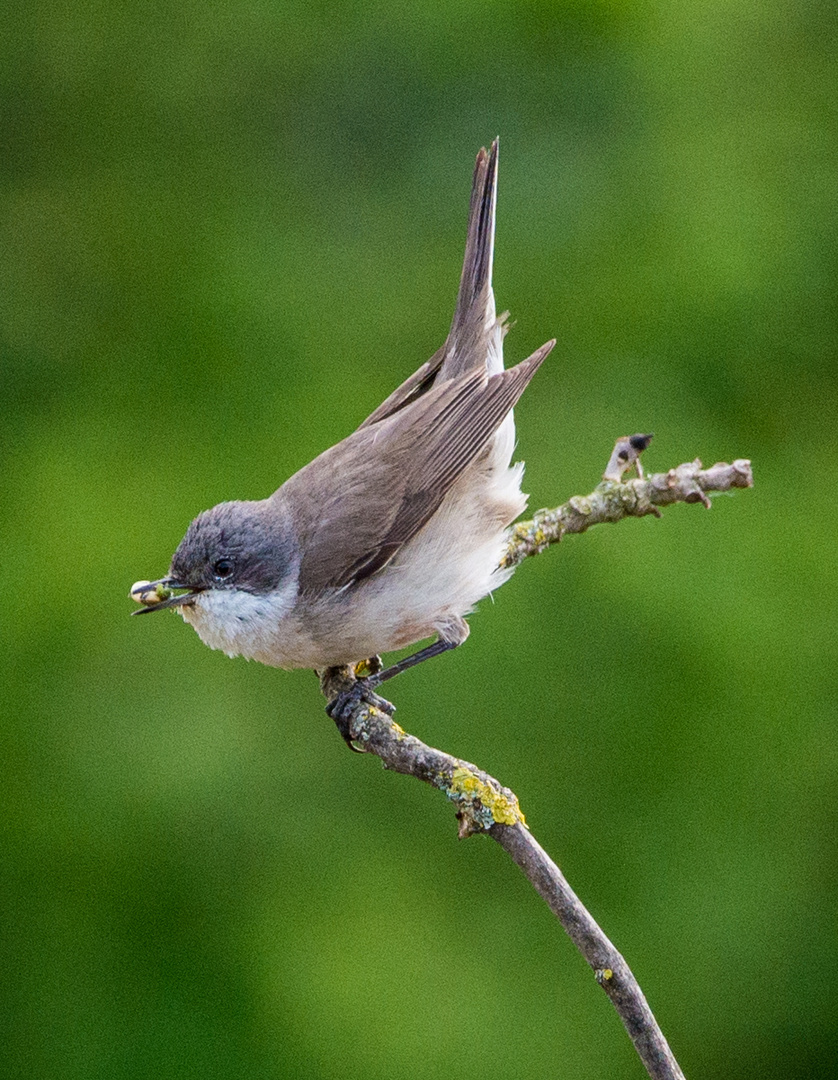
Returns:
(229, 229)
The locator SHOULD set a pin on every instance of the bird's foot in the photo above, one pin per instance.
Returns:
(342, 709)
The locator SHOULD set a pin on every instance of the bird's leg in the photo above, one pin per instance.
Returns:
(438, 647)
(341, 709)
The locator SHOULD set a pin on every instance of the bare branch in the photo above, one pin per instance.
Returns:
(610, 969)
(482, 803)
(485, 805)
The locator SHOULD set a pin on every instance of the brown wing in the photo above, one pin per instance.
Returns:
(358, 503)
(412, 388)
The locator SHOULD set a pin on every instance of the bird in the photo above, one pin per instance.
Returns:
(391, 536)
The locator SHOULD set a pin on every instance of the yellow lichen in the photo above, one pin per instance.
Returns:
(503, 809)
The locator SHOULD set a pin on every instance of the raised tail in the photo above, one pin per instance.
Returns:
(475, 333)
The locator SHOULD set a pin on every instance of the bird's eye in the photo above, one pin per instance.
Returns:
(223, 568)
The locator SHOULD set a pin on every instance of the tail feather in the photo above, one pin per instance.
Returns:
(474, 323)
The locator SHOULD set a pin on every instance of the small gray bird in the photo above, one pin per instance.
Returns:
(392, 535)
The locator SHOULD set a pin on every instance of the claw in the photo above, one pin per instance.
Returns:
(343, 707)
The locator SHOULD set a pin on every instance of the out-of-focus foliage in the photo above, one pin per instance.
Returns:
(228, 230)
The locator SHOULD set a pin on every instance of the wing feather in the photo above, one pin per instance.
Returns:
(357, 504)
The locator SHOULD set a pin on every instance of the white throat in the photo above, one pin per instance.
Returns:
(241, 623)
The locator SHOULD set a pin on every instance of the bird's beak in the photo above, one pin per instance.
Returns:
(155, 595)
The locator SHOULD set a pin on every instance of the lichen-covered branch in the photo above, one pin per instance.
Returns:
(482, 803)
(615, 499)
